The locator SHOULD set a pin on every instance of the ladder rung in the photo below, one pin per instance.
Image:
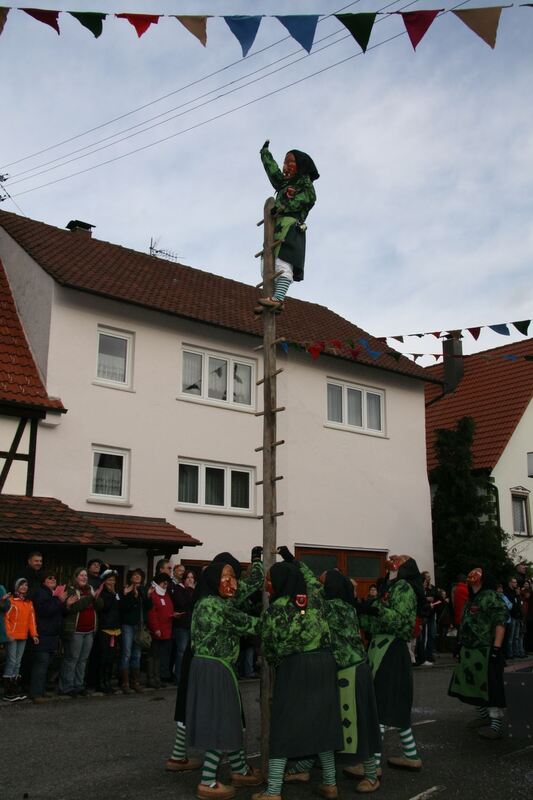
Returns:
(259, 347)
(262, 380)
(261, 222)
(277, 514)
(278, 478)
(274, 444)
(280, 340)
(273, 411)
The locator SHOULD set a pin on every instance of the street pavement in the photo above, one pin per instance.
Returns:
(109, 748)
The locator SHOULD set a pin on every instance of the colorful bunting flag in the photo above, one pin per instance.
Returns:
(3, 16)
(474, 332)
(483, 21)
(92, 20)
(195, 25)
(360, 26)
(523, 326)
(355, 352)
(301, 27)
(244, 29)
(48, 17)
(285, 347)
(398, 338)
(417, 23)
(366, 345)
(314, 351)
(503, 329)
(141, 22)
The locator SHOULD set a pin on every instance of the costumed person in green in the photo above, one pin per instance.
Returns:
(305, 717)
(478, 677)
(358, 710)
(214, 708)
(295, 197)
(246, 587)
(391, 626)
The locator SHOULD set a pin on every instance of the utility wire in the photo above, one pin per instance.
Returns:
(170, 94)
(3, 189)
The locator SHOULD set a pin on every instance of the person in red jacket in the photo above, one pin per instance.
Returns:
(160, 618)
(459, 598)
(20, 623)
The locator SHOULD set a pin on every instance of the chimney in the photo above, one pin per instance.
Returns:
(77, 226)
(452, 351)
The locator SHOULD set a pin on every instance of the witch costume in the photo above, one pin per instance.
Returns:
(478, 677)
(305, 719)
(295, 197)
(392, 628)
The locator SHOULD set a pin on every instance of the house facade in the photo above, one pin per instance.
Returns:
(158, 363)
(496, 390)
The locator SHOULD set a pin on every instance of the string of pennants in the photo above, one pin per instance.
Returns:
(354, 348)
(482, 21)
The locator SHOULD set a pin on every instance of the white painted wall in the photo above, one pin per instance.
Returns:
(510, 471)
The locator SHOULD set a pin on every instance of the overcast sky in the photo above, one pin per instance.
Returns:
(425, 202)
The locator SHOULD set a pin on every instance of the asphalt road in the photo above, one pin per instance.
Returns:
(109, 748)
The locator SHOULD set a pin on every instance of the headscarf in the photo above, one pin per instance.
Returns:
(408, 571)
(305, 164)
(287, 580)
(18, 583)
(227, 558)
(209, 581)
(338, 587)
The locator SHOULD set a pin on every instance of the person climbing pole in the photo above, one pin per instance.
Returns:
(295, 197)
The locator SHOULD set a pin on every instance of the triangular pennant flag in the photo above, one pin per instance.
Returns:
(393, 354)
(195, 25)
(92, 20)
(522, 327)
(510, 357)
(381, 339)
(416, 355)
(3, 16)
(474, 332)
(398, 338)
(503, 329)
(359, 25)
(48, 17)
(437, 356)
(355, 352)
(436, 334)
(483, 21)
(371, 353)
(419, 335)
(245, 29)
(528, 358)
(285, 347)
(337, 344)
(301, 28)
(141, 22)
(314, 351)
(417, 23)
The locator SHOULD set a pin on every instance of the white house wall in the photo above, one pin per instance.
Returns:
(511, 471)
(16, 479)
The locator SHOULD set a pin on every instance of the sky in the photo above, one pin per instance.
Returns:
(424, 209)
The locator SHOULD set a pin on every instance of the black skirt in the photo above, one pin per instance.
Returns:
(368, 732)
(393, 685)
(305, 717)
(213, 715)
(181, 695)
(292, 250)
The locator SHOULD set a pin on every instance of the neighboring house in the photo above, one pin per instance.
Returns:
(158, 362)
(496, 391)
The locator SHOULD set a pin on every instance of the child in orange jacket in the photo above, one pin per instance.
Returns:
(20, 623)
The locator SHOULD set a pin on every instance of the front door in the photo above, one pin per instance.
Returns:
(363, 566)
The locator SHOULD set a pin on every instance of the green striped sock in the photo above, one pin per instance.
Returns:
(303, 765)
(377, 756)
(280, 288)
(237, 762)
(370, 768)
(496, 724)
(276, 771)
(179, 751)
(327, 761)
(408, 743)
(483, 712)
(210, 767)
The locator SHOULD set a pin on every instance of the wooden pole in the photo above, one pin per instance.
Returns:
(269, 455)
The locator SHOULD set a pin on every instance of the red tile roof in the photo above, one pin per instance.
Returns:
(147, 530)
(46, 520)
(77, 260)
(494, 391)
(20, 382)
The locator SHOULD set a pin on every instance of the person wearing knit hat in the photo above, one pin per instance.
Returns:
(20, 623)
(295, 197)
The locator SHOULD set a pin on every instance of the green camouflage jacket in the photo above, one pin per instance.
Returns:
(346, 641)
(217, 626)
(398, 615)
(303, 201)
(480, 616)
(248, 585)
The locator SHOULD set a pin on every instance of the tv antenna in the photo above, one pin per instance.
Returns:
(158, 252)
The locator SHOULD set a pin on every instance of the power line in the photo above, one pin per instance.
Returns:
(3, 189)
(34, 173)
(170, 94)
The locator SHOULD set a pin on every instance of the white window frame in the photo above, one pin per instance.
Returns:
(231, 359)
(201, 505)
(129, 337)
(365, 391)
(114, 499)
(521, 493)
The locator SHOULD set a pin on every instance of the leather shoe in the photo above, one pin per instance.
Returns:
(182, 764)
(328, 790)
(400, 762)
(253, 777)
(367, 785)
(219, 791)
(359, 771)
(296, 777)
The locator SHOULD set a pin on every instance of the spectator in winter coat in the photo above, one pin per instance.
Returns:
(160, 618)
(183, 593)
(33, 572)
(49, 605)
(459, 598)
(94, 569)
(79, 627)
(20, 623)
(4, 608)
(108, 629)
(134, 607)
(512, 641)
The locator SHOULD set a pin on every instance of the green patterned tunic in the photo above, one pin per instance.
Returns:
(216, 628)
(396, 620)
(346, 642)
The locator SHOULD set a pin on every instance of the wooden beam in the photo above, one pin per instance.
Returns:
(272, 444)
(12, 450)
(272, 411)
(277, 478)
(32, 452)
(262, 380)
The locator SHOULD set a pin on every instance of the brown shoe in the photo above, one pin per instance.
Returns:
(265, 796)
(253, 777)
(182, 764)
(328, 790)
(220, 792)
(400, 762)
(270, 302)
(366, 785)
(358, 771)
(297, 777)
(135, 681)
(125, 681)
